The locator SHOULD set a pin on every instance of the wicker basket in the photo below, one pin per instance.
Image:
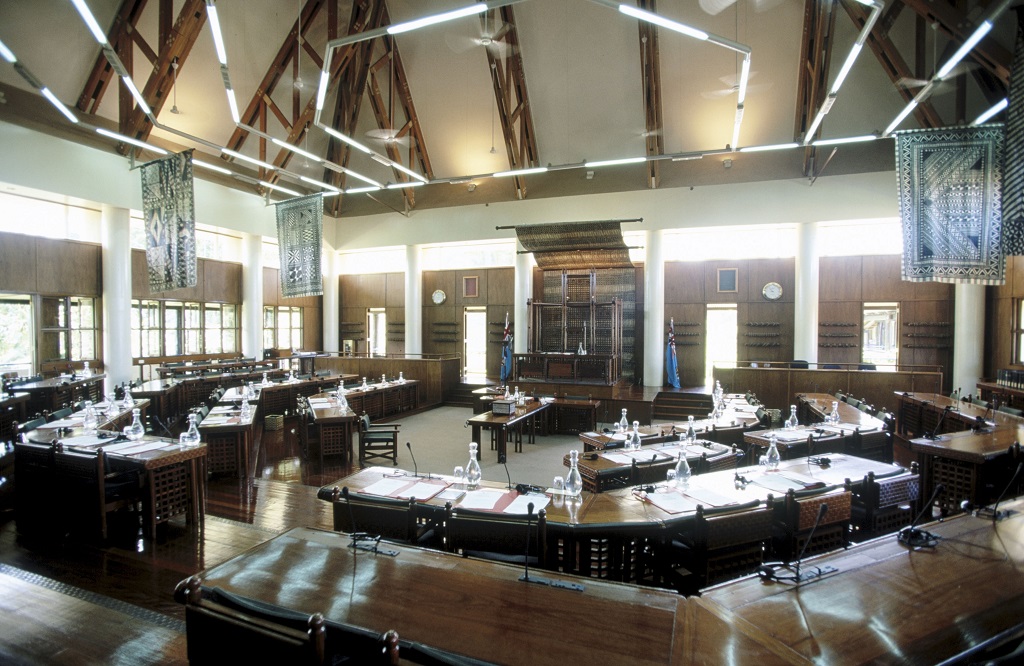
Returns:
(273, 422)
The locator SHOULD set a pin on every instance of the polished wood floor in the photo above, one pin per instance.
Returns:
(72, 601)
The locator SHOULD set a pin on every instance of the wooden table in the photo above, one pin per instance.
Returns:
(230, 439)
(794, 443)
(334, 426)
(500, 425)
(469, 607)
(192, 368)
(569, 416)
(12, 409)
(885, 604)
(864, 435)
(607, 470)
(49, 395)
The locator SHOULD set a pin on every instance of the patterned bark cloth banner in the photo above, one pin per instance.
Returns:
(300, 238)
(168, 209)
(950, 196)
(1013, 160)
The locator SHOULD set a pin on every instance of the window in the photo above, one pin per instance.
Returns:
(146, 328)
(16, 334)
(723, 332)
(220, 328)
(69, 328)
(881, 335)
(184, 328)
(282, 327)
(377, 331)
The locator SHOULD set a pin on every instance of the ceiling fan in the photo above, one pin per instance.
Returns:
(732, 83)
(491, 37)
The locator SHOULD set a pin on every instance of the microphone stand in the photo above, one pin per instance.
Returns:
(509, 477)
(822, 510)
(913, 538)
(525, 578)
(934, 435)
(770, 572)
(415, 467)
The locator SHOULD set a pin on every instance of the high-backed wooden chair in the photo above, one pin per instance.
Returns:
(721, 461)
(650, 471)
(884, 503)
(87, 475)
(377, 440)
(497, 536)
(59, 414)
(795, 516)
(35, 499)
(399, 520)
(28, 426)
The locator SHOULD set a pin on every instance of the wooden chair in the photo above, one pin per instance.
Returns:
(59, 414)
(398, 520)
(1012, 411)
(650, 471)
(795, 516)
(722, 461)
(87, 475)
(500, 537)
(21, 429)
(377, 440)
(884, 503)
(35, 502)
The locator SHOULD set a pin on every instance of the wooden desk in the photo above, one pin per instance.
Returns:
(282, 397)
(12, 408)
(230, 440)
(601, 473)
(49, 395)
(334, 426)
(884, 605)
(470, 607)
(196, 368)
(793, 443)
(524, 416)
(870, 437)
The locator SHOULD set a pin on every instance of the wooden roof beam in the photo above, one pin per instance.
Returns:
(650, 62)
(812, 75)
(102, 73)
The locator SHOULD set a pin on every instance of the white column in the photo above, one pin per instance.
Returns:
(331, 301)
(968, 336)
(413, 300)
(654, 310)
(252, 295)
(523, 291)
(115, 230)
(805, 295)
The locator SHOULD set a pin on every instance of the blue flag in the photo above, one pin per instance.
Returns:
(671, 364)
(506, 353)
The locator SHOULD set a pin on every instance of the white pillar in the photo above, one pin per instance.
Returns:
(331, 301)
(654, 310)
(115, 228)
(413, 300)
(968, 336)
(252, 295)
(523, 291)
(805, 295)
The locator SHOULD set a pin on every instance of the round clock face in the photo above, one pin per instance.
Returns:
(438, 297)
(772, 291)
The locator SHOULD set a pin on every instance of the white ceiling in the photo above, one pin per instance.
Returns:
(583, 74)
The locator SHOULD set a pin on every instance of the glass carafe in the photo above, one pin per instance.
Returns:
(401, 378)
(136, 430)
(623, 422)
(191, 436)
(128, 401)
(691, 432)
(473, 473)
(86, 371)
(89, 419)
(574, 482)
(772, 458)
(634, 437)
(683, 471)
(833, 417)
(792, 422)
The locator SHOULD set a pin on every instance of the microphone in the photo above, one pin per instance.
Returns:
(995, 508)
(913, 538)
(566, 585)
(503, 464)
(935, 431)
(526, 555)
(769, 572)
(822, 510)
(415, 468)
(357, 536)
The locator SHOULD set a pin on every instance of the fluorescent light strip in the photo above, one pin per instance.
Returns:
(297, 150)
(140, 100)
(736, 127)
(212, 167)
(350, 141)
(363, 178)
(380, 159)
(416, 24)
(218, 39)
(246, 158)
(900, 118)
(741, 93)
(321, 91)
(57, 103)
(7, 54)
(624, 160)
(999, 106)
(280, 189)
(398, 186)
(359, 190)
(409, 172)
(312, 181)
(848, 139)
(981, 31)
(809, 134)
(233, 105)
(774, 146)
(90, 21)
(128, 139)
(519, 172)
(850, 59)
(663, 22)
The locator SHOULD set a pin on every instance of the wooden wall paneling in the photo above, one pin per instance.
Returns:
(222, 282)
(396, 332)
(1014, 284)
(765, 313)
(18, 263)
(481, 286)
(638, 327)
(839, 279)
(395, 288)
(917, 346)
(366, 291)
(443, 280)
(501, 288)
(684, 282)
(312, 329)
(438, 333)
(742, 293)
(762, 271)
(819, 381)
(771, 385)
(998, 337)
(68, 267)
(353, 327)
(538, 285)
(881, 279)
(271, 286)
(830, 314)
(690, 340)
(879, 388)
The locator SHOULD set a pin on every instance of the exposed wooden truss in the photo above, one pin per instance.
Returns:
(650, 61)
(510, 95)
(175, 42)
(812, 75)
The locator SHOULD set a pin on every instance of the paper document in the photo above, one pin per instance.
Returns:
(707, 497)
(386, 486)
(520, 504)
(422, 490)
(481, 500)
(671, 501)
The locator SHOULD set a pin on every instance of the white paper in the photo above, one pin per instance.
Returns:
(386, 486)
(481, 499)
(672, 502)
(422, 490)
(791, 435)
(520, 504)
(707, 497)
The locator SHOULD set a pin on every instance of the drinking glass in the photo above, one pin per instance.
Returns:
(558, 483)
(459, 474)
(670, 478)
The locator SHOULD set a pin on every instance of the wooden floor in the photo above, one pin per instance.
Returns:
(69, 601)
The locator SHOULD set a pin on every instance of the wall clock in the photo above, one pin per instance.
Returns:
(438, 297)
(772, 291)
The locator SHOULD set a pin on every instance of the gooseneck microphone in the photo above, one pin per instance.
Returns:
(769, 572)
(934, 434)
(526, 555)
(508, 475)
(995, 509)
(822, 510)
(913, 538)
(415, 468)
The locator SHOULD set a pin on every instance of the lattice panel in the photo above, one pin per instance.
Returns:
(577, 288)
(733, 564)
(832, 537)
(898, 491)
(222, 453)
(960, 479)
(335, 441)
(838, 510)
(620, 283)
(170, 492)
(742, 528)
